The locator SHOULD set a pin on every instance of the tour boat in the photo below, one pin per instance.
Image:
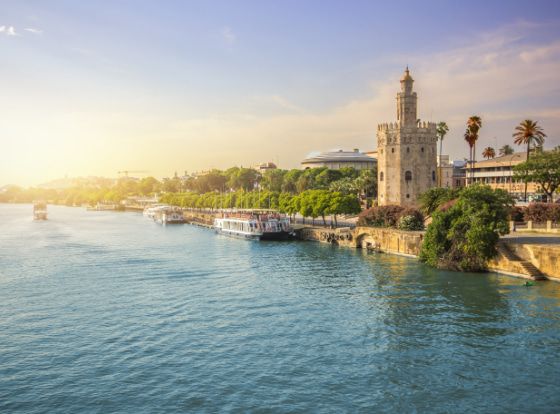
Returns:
(150, 211)
(253, 224)
(40, 211)
(168, 215)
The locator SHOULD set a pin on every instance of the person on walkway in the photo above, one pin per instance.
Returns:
(514, 230)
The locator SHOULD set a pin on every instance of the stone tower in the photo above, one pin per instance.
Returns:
(407, 152)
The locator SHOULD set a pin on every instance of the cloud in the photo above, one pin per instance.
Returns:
(227, 35)
(504, 76)
(11, 31)
(35, 31)
(2, 28)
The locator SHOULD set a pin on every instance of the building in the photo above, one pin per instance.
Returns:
(498, 173)
(452, 172)
(338, 159)
(264, 167)
(407, 152)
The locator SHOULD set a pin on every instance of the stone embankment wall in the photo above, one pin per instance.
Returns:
(199, 218)
(546, 258)
(406, 243)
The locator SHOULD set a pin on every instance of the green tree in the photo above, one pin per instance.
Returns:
(542, 168)
(527, 133)
(506, 150)
(343, 204)
(434, 198)
(474, 124)
(465, 236)
(326, 177)
(149, 185)
(442, 130)
(171, 186)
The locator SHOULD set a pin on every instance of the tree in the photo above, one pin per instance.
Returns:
(370, 177)
(528, 132)
(465, 236)
(471, 136)
(435, 197)
(489, 153)
(171, 186)
(149, 185)
(442, 130)
(344, 185)
(343, 204)
(327, 177)
(542, 168)
(303, 183)
(506, 150)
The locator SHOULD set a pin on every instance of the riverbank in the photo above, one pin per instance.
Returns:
(535, 256)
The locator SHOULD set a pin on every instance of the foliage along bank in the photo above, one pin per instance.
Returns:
(310, 203)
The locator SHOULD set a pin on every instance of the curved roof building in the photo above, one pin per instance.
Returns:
(338, 159)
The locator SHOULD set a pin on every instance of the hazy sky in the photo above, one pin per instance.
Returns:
(94, 87)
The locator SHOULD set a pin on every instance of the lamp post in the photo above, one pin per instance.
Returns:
(511, 176)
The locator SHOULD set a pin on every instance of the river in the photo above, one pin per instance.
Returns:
(105, 312)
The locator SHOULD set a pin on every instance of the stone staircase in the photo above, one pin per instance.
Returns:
(526, 265)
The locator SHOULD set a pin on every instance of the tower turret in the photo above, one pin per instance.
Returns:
(406, 101)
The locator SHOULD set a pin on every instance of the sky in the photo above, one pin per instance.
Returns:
(97, 87)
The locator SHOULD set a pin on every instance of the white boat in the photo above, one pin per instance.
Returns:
(40, 211)
(168, 215)
(150, 211)
(253, 224)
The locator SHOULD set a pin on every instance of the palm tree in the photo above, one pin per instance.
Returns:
(442, 130)
(506, 150)
(474, 124)
(528, 132)
(489, 153)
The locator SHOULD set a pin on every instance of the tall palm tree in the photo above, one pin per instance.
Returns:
(442, 130)
(474, 124)
(528, 132)
(506, 150)
(489, 153)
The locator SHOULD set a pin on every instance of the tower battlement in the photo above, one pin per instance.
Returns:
(396, 126)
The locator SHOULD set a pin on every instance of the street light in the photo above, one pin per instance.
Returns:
(511, 176)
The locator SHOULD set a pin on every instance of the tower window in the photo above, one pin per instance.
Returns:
(408, 176)
(407, 149)
(433, 175)
(392, 150)
(422, 149)
(408, 196)
(381, 176)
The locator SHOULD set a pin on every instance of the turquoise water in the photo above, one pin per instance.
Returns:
(104, 312)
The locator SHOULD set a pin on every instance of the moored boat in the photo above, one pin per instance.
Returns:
(150, 212)
(253, 224)
(168, 215)
(40, 211)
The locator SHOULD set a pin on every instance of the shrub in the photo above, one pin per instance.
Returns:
(410, 223)
(465, 237)
(386, 216)
(536, 212)
(516, 213)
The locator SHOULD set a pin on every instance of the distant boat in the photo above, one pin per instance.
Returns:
(40, 211)
(254, 224)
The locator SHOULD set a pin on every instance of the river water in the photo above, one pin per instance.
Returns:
(104, 312)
